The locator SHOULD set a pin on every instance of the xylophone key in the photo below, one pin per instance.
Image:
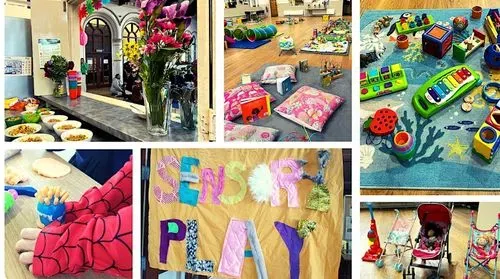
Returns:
(457, 77)
(443, 87)
(433, 94)
(448, 83)
(453, 81)
(466, 72)
(439, 91)
(462, 74)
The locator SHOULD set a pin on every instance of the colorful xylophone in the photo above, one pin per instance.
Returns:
(444, 88)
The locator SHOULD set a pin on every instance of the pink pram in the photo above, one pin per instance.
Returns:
(431, 246)
(482, 248)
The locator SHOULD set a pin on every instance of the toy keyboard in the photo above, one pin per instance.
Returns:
(412, 27)
(444, 88)
(383, 81)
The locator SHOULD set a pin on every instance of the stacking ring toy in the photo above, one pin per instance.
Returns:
(491, 97)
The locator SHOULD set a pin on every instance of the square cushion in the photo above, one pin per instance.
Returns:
(273, 73)
(310, 107)
(239, 132)
(232, 98)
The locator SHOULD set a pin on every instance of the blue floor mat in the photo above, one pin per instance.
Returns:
(247, 44)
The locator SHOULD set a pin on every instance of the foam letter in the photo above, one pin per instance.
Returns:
(294, 244)
(234, 169)
(188, 196)
(286, 181)
(207, 176)
(171, 230)
(161, 168)
(193, 263)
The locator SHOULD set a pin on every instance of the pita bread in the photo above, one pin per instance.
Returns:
(14, 176)
(51, 168)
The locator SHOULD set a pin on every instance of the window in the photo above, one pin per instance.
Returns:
(130, 33)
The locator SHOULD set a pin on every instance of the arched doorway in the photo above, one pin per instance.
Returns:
(98, 52)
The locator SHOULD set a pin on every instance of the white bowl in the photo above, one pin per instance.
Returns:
(74, 132)
(36, 127)
(74, 123)
(43, 137)
(48, 113)
(46, 120)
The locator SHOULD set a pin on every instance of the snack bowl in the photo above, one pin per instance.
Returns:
(35, 138)
(75, 135)
(67, 125)
(49, 121)
(22, 130)
(46, 113)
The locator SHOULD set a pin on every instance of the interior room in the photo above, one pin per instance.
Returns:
(84, 66)
(268, 41)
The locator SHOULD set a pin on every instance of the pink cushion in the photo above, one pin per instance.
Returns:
(273, 73)
(239, 132)
(232, 98)
(310, 107)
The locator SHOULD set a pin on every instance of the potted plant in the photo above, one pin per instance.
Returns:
(164, 38)
(56, 69)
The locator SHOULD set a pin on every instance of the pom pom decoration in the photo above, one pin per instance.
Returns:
(87, 8)
(260, 182)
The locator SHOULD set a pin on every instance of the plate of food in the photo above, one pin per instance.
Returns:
(67, 125)
(49, 121)
(77, 135)
(35, 138)
(22, 130)
(45, 113)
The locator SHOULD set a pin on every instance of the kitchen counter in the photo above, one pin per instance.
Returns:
(115, 118)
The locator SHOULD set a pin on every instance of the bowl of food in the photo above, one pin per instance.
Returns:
(22, 130)
(31, 117)
(77, 135)
(67, 125)
(35, 138)
(49, 121)
(13, 120)
(45, 113)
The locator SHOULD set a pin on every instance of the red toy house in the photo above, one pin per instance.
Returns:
(437, 40)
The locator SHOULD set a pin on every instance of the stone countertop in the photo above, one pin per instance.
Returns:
(117, 121)
(98, 134)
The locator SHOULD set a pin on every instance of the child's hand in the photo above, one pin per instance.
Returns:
(26, 246)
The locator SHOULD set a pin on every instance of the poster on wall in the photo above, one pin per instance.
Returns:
(47, 48)
(246, 213)
(17, 66)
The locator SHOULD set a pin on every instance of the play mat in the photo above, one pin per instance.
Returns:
(337, 127)
(444, 158)
(333, 38)
(214, 226)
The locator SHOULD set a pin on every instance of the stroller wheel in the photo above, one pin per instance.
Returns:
(398, 267)
(379, 263)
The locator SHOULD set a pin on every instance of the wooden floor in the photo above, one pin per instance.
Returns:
(247, 61)
(425, 4)
(458, 245)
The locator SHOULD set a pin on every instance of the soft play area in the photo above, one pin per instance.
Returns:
(237, 213)
(430, 92)
(297, 90)
(429, 240)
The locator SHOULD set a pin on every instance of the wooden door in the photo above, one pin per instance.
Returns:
(98, 52)
(274, 8)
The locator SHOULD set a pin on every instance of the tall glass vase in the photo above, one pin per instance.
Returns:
(58, 89)
(188, 107)
(158, 104)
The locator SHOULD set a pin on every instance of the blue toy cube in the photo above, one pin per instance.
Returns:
(437, 40)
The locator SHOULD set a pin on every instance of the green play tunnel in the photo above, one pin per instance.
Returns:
(228, 32)
(240, 33)
(261, 33)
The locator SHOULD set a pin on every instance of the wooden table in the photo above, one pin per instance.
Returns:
(23, 214)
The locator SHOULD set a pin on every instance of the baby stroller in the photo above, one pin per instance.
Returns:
(400, 238)
(482, 248)
(432, 243)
